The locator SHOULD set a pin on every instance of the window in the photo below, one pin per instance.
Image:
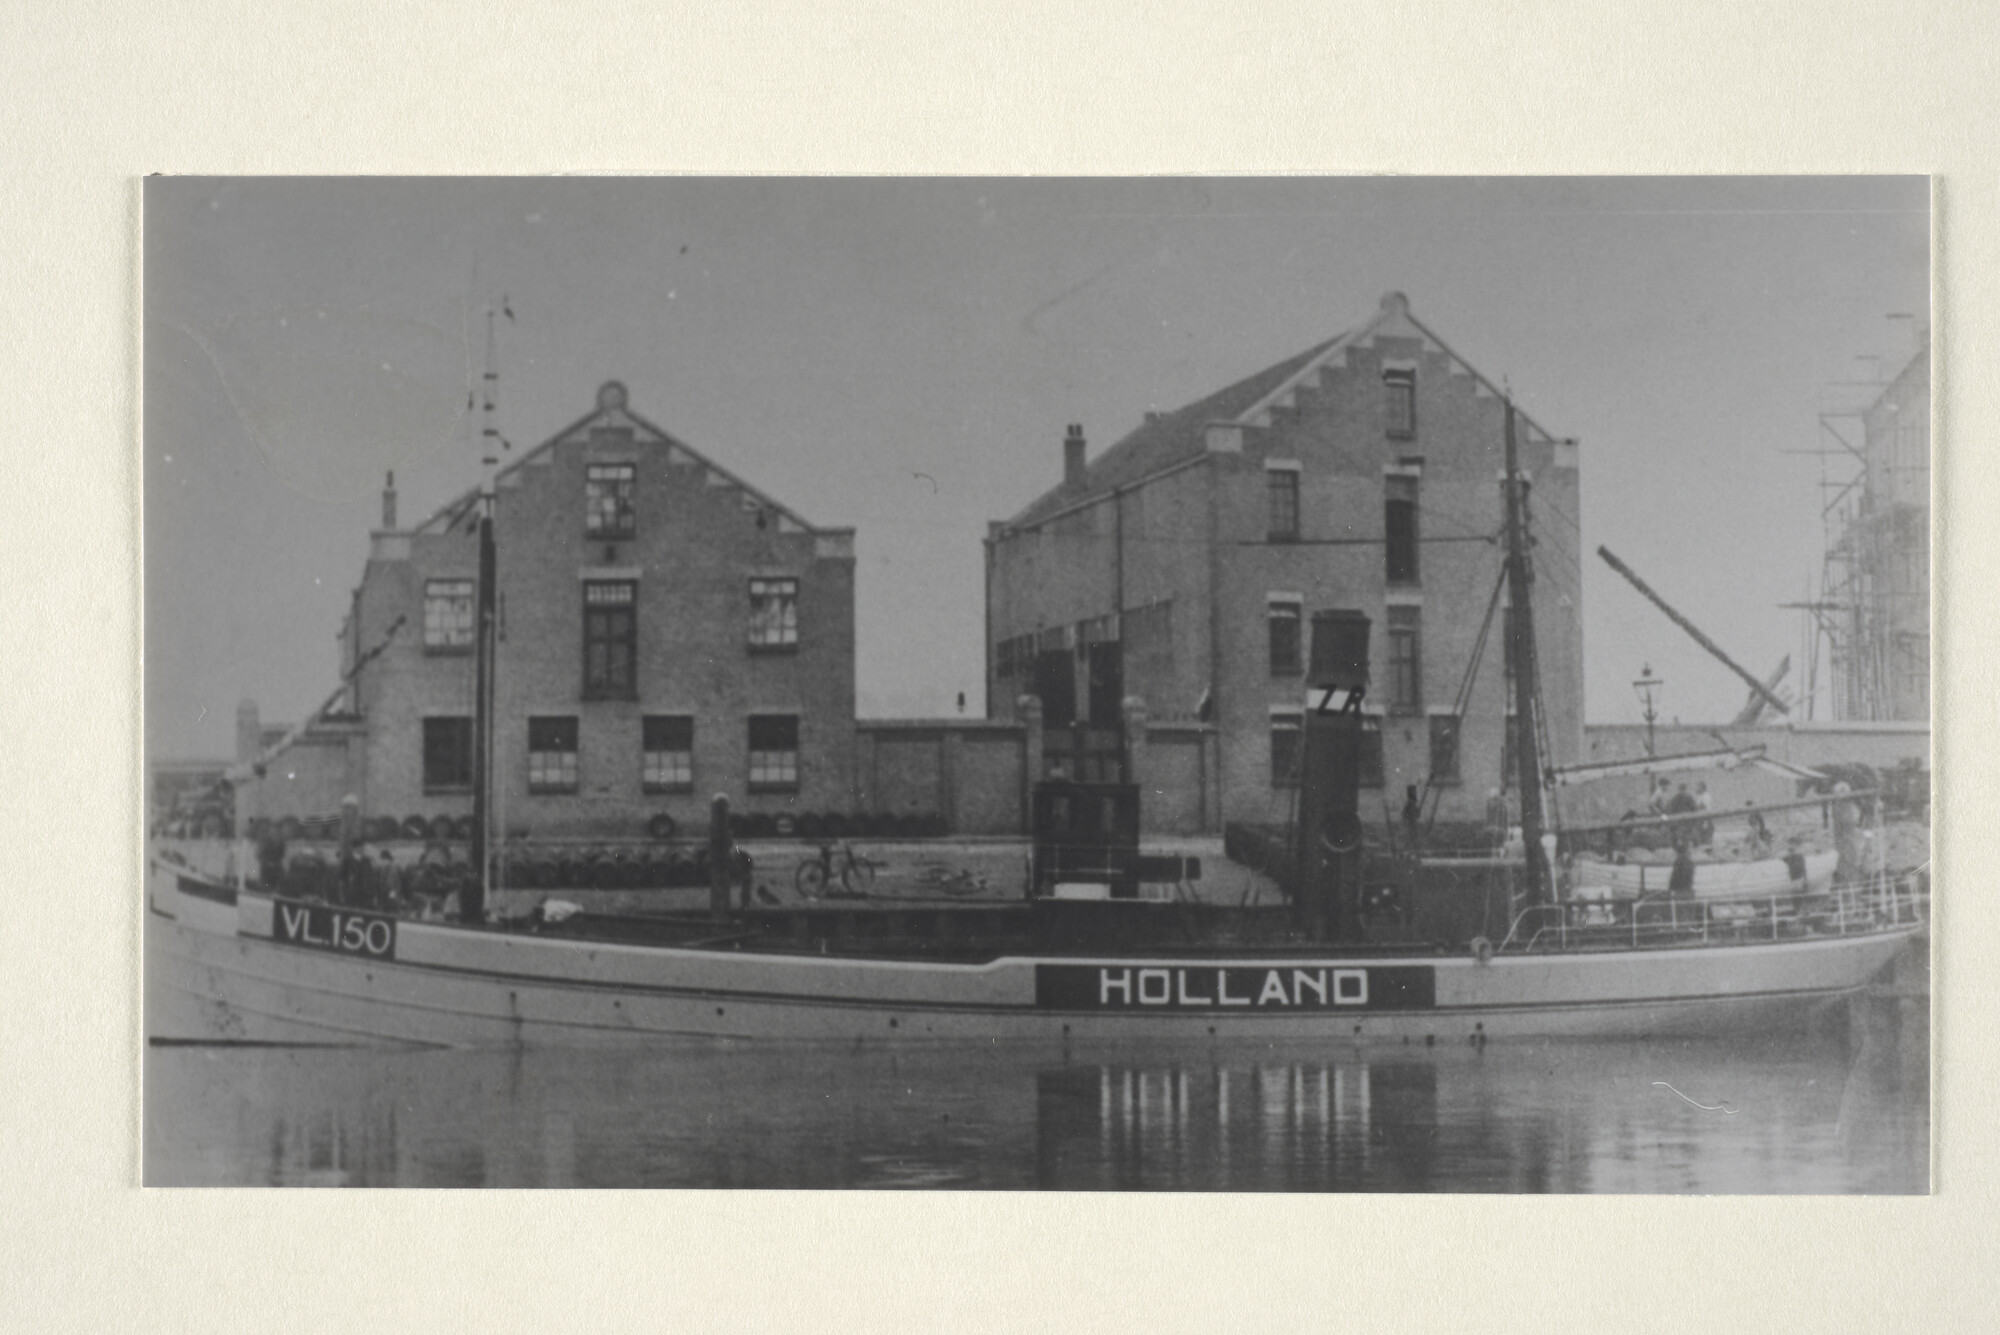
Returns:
(667, 741)
(610, 639)
(1371, 751)
(774, 613)
(1399, 527)
(448, 616)
(608, 492)
(1286, 730)
(447, 754)
(1055, 685)
(774, 751)
(552, 755)
(1399, 391)
(1284, 488)
(1406, 666)
(1444, 748)
(1283, 620)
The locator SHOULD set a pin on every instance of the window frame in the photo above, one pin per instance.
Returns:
(1372, 765)
(1399, 402)
(787, 616)
(468, 614)
(620, 521)
(433, 743)
(1291, 725)
(1446, 725)
(1400, 498)
(595, 688)
(1280, 611)
(552, 767)
(1282, 481)
(772, 768)
(1405, 623)
(671, 778)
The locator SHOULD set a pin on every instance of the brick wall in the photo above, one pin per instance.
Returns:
(699, 538)
(1194, 536)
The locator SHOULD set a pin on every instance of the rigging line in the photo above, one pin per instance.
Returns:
(1433, 795)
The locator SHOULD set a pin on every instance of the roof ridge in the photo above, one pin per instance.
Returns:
(455, 505)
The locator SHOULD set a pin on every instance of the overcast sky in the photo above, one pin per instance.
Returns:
(902, 355)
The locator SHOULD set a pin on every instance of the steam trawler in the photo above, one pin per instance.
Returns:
(1365, 949)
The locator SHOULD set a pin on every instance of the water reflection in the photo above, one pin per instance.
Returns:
(1840, 1111)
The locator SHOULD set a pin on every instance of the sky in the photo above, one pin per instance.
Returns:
(902, 355)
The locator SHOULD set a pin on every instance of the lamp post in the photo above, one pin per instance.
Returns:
(1644, 688)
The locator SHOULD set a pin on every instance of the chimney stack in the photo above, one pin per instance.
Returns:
(1073, 454)
(389, 503)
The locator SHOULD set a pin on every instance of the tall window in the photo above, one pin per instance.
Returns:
(1399, 527)
(667, 742)
(1283, 621)
(1371, 751)
(1399, 394)
(448, 616)
(1406, 664)
(610, 639)
(774, 613)
(552, 755)
(447, 754)
(1283, 484)
(1444, 748)
(608, 492)
(774, 751)
(1286, 730)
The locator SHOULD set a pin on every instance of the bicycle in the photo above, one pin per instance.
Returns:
(855, 872)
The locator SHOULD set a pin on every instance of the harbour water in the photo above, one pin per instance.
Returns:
(1844, 1108)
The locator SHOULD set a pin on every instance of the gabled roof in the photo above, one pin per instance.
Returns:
(1169, 439)
(613, 413)
(1166, 439)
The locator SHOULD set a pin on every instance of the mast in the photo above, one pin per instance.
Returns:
(1520, 576)
(472, 902)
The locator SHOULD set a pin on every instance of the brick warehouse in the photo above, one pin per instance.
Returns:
(666, 632)
(1173, 578)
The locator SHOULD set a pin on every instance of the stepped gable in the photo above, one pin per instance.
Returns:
(1166, 439)
(1171, 438)
(613, 415)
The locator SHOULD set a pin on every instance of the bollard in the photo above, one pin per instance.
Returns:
(721, 858)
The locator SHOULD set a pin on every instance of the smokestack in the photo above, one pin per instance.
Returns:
(389, 503)
(1073, 454)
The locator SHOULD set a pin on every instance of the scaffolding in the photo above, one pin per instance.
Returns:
(1867, 622)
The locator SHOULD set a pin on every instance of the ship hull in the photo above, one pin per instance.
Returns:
(251, 969)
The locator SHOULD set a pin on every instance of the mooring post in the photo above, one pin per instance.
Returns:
(721, 858)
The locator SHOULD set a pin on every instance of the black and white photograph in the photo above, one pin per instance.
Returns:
(1179, 684)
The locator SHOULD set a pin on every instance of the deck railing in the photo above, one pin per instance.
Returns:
(1876, 903)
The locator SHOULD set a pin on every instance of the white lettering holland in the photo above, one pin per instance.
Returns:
(1105, 982)
(1184, 996)
(1274, 986)
(1222, 996)
(1301, 980)
(1160, 976)
(1350, 987)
